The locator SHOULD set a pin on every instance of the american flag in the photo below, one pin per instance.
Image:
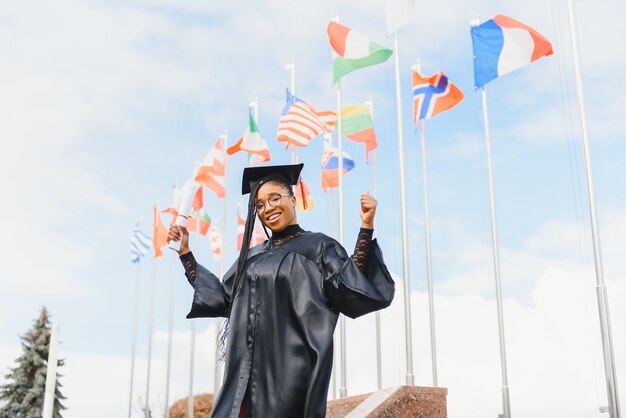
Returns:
(433, 95)
(299, 122)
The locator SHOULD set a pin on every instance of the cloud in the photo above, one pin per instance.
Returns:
(553, 348)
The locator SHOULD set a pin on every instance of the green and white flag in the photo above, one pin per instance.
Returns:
(353, 50)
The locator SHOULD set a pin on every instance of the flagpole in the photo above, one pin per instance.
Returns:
(171, 323)
(151, 327)
(343, 390)
(292, 67)
(51, 373)
(603, 302)
(403, 220)
(255, 112)
(217, 374)
(328, 141)
(135, 323)
(370, 104)
(429, 267)
(496, 263)
(192, 344)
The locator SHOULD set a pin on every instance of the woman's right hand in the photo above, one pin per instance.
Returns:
(176, 233)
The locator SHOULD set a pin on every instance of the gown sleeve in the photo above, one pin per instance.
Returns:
(351, 291)
(211, 296)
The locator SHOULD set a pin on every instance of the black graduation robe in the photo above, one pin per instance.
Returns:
(280, 343)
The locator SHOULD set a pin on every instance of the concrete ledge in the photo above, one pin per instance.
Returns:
(397, 402)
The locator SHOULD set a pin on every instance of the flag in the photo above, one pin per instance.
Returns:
(159, 234)
(398, 13)
(330, 166)
(299, 122)
(502, 45)
(358, 126)
(258, 235)
(212, 172)
(253, 143)
(304, 200)
(139, 245)
(215, 242)
(199, 222)
(353, 50)
(433, 95)
(186, 200)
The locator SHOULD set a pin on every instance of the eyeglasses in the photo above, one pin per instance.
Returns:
(274, 200)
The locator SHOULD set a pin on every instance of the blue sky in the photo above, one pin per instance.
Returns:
(107, 104)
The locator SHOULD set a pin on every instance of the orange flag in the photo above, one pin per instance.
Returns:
(304, 200)
(159, 234)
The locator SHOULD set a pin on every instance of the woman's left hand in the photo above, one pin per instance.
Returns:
(368, 210)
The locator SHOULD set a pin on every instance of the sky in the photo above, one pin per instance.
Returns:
(107, 104)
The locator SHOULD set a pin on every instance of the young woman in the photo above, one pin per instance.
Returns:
(282, 299)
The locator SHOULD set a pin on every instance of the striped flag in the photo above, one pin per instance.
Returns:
(253, 143)
(358, 127)
(304, 200)
(398, 13)
(433, 95)
(353, 50)
(159, 234)
(330, 166)
(199, 222)
(140, 243)
(299, 122)
(215, 242)
(258, 235)
(502, 45)
(186, 200)
(212, 172)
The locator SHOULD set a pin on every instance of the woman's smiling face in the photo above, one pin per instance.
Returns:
(276, 206)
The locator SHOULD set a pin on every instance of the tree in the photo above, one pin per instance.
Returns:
(26, 385)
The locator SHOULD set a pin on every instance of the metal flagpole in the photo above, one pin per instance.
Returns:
(135, 321)
(150, 328)
(191, 364)
(429, 267)
(405, 241)
(292, 67)
(51, 374)
(193, 325)
(328, 140)
(370, 104)
(496, 263)
(603, 303)
(343, 390)
(171, 323)
(217, 375)
(255, 109)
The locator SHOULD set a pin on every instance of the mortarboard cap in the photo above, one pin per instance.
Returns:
(253, 175)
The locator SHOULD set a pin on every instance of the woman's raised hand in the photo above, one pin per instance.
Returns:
(176, 233)
(368, 210)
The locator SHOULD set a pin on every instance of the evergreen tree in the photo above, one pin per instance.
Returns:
(26, 385)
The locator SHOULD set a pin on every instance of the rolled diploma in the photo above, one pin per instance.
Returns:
(183, 211)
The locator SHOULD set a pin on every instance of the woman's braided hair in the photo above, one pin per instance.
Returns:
(245, 249)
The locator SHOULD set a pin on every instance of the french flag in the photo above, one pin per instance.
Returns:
(502, 45)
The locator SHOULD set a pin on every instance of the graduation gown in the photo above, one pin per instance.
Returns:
(280, 344)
